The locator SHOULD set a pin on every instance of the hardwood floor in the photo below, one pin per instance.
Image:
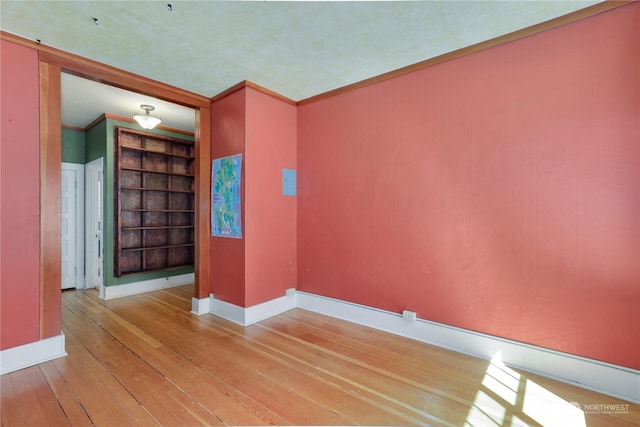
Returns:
(145, 360)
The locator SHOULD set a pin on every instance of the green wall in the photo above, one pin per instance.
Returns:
(73, 146)
(100, 142)
(96, 142)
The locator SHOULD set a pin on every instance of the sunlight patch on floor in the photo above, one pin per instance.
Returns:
(506, 399)
(549, 409)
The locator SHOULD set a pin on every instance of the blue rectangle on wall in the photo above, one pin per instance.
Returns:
(288, 182)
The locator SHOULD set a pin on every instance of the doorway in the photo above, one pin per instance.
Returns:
(51, 65)
(72, 226)
(89, 109)
(94, 260)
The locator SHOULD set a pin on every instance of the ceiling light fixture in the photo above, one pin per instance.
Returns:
(146, 120)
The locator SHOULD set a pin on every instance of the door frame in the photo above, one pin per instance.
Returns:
(52, 62)
(94, 260)
(79, 221)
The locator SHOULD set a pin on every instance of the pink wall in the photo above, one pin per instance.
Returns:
(228, 255)
(19, 196)
(499, 192)
(270, 217)
(262, 265)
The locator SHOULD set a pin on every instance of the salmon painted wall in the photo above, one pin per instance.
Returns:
(228, 116)
(499, 192)
(19, 196)
(270, 227)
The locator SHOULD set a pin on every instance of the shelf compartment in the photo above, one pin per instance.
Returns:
(163, 190)
(154, 219)
(179, 154)
(160, 227)
(160, 210)
(132, 169)
(132, 262)
(142, 249)
(154, 237)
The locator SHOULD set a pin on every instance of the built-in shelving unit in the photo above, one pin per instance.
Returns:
(154, 202)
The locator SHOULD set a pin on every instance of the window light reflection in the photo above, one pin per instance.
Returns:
(506, 399)
(550, 409)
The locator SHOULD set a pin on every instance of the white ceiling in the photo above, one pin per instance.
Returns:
(85, 100)
(297, 49)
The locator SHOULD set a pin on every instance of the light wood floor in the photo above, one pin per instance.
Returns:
(145, 360)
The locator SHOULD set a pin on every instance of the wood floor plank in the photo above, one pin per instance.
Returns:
(145, 360)
(326, 333)
(104, 399)
(10, 403)
(270, 369)
(69, 403)
(221, 398)
(32, 403)
(167, 404)
(384, 356)
(354, 405)
(382, 390)
(359, 340)
(14, 411)
(245, 373)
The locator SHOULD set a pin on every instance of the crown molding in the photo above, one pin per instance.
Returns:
(246, 83)
(479, 47)
(83, 67)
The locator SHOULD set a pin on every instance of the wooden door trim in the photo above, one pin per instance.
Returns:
(52, 63)
(50, 186)
(202, 238)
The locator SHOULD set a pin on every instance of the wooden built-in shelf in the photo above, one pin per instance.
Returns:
(158, 247)
(177, 155)
(156, 189)
(161, 227)
(154, 202)
(154, 270)
(159, 172)
(160, 210)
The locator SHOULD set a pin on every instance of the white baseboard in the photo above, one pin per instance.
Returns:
(200, 306)
(250, 315)
(606, 378)
(111, 292)
(23, 356)
(271, 308)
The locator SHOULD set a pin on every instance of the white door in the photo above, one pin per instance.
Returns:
(72, 226)
(94, 225)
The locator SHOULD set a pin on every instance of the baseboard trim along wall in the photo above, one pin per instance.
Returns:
(602, 377)
(201, 306)
(606, 378)
(23, 356)
(246, 316)
(111, 292)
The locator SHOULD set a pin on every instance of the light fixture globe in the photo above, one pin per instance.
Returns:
(145, 120)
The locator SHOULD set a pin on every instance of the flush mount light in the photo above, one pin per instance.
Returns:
(146, 120)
